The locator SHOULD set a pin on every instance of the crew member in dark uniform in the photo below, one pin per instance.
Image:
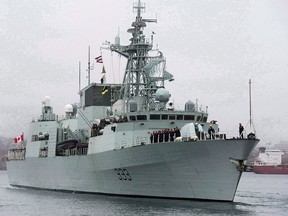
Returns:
(166, 135)
(241, 129)
(211, 132)
(177, 132)
(161, 134)
(151, 137)
(155, 133)
(94, 131)
(171, 134)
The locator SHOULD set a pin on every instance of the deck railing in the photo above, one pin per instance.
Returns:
(16, 154)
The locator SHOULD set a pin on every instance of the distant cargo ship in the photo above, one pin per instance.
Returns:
(269, 161)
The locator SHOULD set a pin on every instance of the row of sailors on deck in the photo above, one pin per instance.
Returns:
(103, 123)
(165, 135)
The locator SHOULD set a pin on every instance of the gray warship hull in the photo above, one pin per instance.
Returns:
(191, 170)
(130, 138)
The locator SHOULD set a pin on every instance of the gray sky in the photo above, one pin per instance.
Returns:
(212, 47)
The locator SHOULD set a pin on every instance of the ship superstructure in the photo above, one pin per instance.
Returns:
(269, 161)
(128, 139)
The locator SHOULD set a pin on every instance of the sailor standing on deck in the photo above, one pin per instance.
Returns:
(166, 135)
(161, 135)
(155, 135)
(177, 132)
(241, 129)
(151, 137)
(211, 132)
(171, 134)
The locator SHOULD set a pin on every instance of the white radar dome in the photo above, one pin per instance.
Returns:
(69, 108)
(162, 95)
(46, 101)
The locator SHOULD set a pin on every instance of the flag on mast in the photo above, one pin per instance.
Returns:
(19, 139)
(105, 90)
(103, 79)
(99, 59)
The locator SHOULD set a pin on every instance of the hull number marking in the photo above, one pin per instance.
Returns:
(123, 174)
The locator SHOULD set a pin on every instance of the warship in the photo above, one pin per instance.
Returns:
(129, 139)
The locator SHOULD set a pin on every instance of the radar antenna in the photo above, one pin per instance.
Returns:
(250, 109)
(144, 74)
(89, 66)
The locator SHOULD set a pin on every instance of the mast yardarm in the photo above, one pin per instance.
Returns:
(144, 74)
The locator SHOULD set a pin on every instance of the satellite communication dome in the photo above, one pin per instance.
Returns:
(46, 101)
(68, 108)
(162, 95)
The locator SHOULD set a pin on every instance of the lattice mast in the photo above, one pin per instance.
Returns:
(137, 80)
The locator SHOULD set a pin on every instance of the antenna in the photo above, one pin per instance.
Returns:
(89, 65)
(250, 107)
(79, 76)
(139, 7)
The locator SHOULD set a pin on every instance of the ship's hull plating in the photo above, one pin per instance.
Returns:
(193, 170)
(281, 169)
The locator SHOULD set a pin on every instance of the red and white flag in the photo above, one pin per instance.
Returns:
(99, 59)
(19, 139)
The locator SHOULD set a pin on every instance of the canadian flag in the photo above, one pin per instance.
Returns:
(19, 138)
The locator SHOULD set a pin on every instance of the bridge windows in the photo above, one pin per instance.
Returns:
(172, 117)
(164, 117)
(141, 117)
(189, 117)
(155, 117)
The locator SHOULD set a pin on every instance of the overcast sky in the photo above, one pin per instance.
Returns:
(213, 48)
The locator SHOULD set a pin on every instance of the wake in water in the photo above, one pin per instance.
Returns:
(10, 187)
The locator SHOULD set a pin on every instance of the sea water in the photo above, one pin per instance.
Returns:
(256, 195)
